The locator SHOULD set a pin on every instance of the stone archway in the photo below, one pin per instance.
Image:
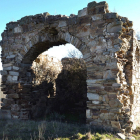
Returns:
(25, 71)
(105, 40)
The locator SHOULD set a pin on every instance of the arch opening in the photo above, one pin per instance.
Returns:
(54, 87)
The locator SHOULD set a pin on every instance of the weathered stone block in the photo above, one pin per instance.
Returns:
(14, 73)
(108, 88)
(104, 111)
(62, 24)
(130, 23)
(10, 56)
(90, 82)
(84, 21)
(13, 96)
(116, 85)
(4, 72)
(76, 43)
(92, 4)
(88, 115)
(112, 95)
(94, 117)
(105, 98)
(7, 68)
(85, 31)
(101, 10)
(112, 65)
(92, 96)
(82, 12)
(110, 16)
(91, 11)
(9, 78)
(12, 78)
(7, 65)
(114, 27)
(122, 136)
(115, 103)
(112, 116)
(86, 56)
(117, 48)
(18, 29)
(104, 116)
(98, 81)
(107, 74)
(68, 37)
(96, 102)
(15, 78)
(97, 17)
(15, 68)
(127, 110)
(94, 7)
(115, 110)
(116, 124)
(92, 44)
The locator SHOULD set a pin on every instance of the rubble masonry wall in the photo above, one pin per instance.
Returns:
(110, 51)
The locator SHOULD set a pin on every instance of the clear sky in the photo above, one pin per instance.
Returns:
(12, 10)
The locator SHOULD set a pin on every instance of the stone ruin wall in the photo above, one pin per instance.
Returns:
(110, 51)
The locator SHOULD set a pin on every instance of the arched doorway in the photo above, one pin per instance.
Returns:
(55, 88)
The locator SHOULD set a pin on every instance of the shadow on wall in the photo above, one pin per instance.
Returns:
(67, 98)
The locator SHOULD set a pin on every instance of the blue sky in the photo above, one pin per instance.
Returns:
(12, 10)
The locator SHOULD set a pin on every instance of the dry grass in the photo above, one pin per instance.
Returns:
(45, 130)
(53, 130)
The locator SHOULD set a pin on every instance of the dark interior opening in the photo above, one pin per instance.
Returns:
(62, 97)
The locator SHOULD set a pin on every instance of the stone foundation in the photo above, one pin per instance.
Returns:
(110, 51)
